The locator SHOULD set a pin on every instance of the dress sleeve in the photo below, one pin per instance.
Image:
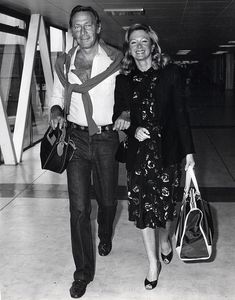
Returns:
(121, 96)
(181, 113)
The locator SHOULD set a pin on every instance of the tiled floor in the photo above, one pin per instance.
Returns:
(36, 261)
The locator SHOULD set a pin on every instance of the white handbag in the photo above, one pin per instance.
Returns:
(194, 228)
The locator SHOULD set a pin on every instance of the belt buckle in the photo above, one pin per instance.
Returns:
(99, 130)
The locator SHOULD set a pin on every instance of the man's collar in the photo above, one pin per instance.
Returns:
(100, 52)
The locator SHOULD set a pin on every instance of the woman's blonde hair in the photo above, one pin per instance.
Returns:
(128, 63)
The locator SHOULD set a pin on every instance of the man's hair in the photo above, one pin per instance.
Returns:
(79, 8)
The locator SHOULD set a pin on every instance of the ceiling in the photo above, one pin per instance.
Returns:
(200, 26)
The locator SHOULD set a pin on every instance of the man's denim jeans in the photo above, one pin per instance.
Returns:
(94, 157)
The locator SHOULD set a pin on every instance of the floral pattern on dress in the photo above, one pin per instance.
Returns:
(151, 188)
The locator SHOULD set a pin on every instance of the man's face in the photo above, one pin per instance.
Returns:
(85, 29)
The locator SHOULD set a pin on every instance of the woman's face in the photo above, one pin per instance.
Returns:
(140, 45)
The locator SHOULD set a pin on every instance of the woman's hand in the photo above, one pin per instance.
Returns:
(142, 134)
(189, 161)
(123, 121)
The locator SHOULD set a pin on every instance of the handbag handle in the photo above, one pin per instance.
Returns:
(190, 175)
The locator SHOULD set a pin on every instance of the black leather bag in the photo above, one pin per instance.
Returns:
(121, 154)
(56, 149)
(194, 229)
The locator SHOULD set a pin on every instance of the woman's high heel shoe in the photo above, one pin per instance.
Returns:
(149, 285)
(167, 258)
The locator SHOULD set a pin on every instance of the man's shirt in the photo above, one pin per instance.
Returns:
(102, 95)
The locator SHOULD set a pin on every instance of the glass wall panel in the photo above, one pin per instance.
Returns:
(11, 21)
(57, 43)
(38, 111)
(12, 49)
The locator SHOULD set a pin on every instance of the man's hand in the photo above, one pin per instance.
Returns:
(123, 121)
(56, 117)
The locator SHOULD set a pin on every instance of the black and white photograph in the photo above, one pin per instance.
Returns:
(117, 149)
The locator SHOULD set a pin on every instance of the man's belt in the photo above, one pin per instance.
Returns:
(103, 128)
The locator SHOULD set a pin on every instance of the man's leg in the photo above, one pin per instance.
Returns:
(105, 177)
(79, 181)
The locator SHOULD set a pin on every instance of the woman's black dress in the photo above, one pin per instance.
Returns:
(151, 188)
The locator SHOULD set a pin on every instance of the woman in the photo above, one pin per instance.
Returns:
(150, 108)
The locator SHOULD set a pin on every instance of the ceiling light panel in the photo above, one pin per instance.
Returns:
(227, 46)
(124, 11)
(219, 52)
(183, 52)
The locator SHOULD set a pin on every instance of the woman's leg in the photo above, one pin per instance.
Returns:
(164, 239)
(150, 246)
(171, 182)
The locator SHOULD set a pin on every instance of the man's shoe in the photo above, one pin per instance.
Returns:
(104, 248)
(78, 288)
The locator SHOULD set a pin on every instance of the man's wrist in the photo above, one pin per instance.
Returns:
(125, 115)
(56, 111)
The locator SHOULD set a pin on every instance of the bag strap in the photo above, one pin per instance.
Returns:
(66, 71)
(190, 175)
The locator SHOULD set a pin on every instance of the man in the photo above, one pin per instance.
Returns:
(88, 87)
